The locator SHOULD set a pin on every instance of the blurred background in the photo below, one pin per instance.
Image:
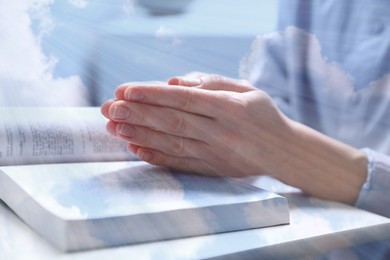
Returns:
(76, 52)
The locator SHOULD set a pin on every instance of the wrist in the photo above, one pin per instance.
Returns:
(321, 166)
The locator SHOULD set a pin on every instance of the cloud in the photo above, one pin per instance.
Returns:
(301, 51)
(166, 33)
(290, 65)
(78, 3)
(26, 72)
(128, 7)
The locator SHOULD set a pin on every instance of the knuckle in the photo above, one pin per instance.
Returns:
(178, 147)
(213, 81)
(215, 78)
(177, 124)
(188, 101)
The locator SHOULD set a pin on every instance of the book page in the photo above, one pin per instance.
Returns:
(55, 135)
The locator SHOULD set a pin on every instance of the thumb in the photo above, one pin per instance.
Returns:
(213, 82)
(218, 82)
(185, 81)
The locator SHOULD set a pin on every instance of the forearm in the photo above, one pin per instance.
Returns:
(321, 166)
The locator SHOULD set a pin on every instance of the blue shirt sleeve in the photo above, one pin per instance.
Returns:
(375, 193)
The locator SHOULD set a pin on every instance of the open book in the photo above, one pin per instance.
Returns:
(80, 189)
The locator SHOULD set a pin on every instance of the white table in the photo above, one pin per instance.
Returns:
(316, 226)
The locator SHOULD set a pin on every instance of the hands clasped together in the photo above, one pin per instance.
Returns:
(207, 124)
(218, 126)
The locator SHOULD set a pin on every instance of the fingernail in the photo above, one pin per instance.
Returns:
(134, 95)
(119, 112)
(126, 130)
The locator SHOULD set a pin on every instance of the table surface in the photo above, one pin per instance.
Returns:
(316, 226)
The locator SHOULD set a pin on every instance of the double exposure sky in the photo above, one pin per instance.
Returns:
(28, 66)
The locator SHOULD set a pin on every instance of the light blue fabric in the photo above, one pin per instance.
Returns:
(375, 194)
(307, 68)
(328, 66)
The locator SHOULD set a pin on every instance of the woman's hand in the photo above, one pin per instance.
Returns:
(207, 124)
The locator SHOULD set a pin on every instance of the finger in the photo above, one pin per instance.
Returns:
(213, 82)
(179, 163)
(133, 148)
(193, 76)
(157, 140)
(185, 81)
(192, 100)
(120, 90)
(111, 127)
(164, 119)
(217, 82)
(105, 108)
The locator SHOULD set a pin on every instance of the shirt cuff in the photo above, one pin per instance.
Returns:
(375, 193)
